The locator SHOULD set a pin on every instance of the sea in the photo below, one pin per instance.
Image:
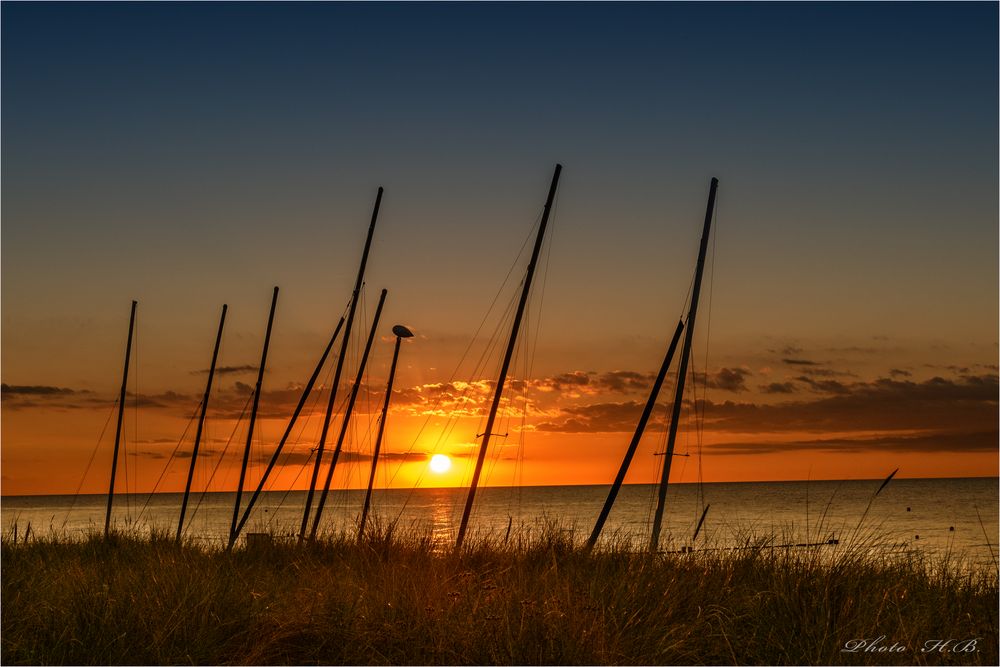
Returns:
(955, 519)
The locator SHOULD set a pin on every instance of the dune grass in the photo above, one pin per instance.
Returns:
(397, 599)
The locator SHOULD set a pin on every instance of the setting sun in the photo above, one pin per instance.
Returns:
(440, 463)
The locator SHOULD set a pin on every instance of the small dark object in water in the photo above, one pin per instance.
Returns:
(833, 540)
(916, 537)
(907, 509)
(951, 529)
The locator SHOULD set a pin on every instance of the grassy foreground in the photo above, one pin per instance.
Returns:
(398, 601)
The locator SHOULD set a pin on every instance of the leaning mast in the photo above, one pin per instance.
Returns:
(340, 366)
(654, 540)
(201, 424)
(507, 357)
(343, 426)
(636, 437)
(121, 414)
(253, 413)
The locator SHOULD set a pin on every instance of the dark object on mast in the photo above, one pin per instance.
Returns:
(654, 540)
(346, 422)
(121, 413)
(507, 356)
(400, 332)
(253, 412)
(634, 444)
(700, 522)
(288, 432)
(340, 365)
(201, 423)
(886, 482)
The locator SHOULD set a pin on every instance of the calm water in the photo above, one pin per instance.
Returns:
(791, 512)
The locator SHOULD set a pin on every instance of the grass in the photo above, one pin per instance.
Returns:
(396, 599)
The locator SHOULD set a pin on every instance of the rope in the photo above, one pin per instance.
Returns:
(169, 460)
(93, 454)
(222, 456)
(451, 421)
(708, 338)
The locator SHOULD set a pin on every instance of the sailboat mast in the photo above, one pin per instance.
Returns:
(201, 423)
(654, 540)
(284, 438)
(121, 414)
(253, 412)
(340, 364)
(466, 513)
(344, 425)
(401, 333)
(634, 444)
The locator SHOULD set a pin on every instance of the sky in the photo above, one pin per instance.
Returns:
(190, 155)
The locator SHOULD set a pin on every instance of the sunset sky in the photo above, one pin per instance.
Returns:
(189, 155)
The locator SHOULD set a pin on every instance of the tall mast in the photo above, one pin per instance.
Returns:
(507, 356)
(288, 432)
(343, 426)
(201, 423)
(634, 444)
(654, 540)
(401, 332)
(340, 364)
(253, 412)
(121, 413)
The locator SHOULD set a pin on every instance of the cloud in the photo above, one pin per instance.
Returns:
(446, 399)
(36, 390)
(826, 372)
(300, 457)
(729, 379)
(592, 382)
(226, 370)
(622, 382)
(824, 386)
(601, 418)
(778, 388)
(965, 404)
(948, 441)
(962, 405)
(16, 397)
(898, 372)
(799, 362)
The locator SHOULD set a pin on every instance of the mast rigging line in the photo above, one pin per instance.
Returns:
(121, 414)
(201, 422)
(482, 323)
(340, 361)
(708, 338)
(296, 441)
(259, 444)
(281, 443)
(135, 422)
(452, 421)
(222, 456)
(493, 345)
(253, 412)
(685, 355)
(511, 343)
(170, 459)
(345, 424)
(93, 455)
